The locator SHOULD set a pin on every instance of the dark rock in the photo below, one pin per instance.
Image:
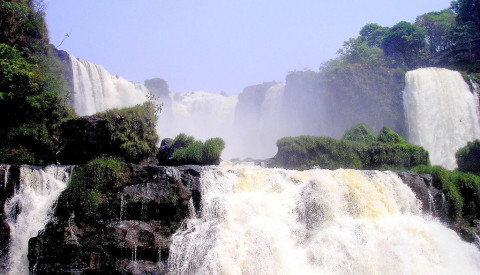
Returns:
(158, 87)
(433, 201)
(134, 240)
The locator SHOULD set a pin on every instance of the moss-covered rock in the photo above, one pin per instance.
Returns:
(135, 210)
(393, 156)
(360, 133)
(305, 152)
(128, 134)
(462, 192)
(388, 136)
(468, 157)
(358, 149)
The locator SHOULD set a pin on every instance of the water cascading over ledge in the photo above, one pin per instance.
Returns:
(29, 209)
(96, 90)
(442, 113)
(273, 221)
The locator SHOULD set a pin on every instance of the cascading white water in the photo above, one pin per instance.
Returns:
(274, 221)
(29, 210)
(96, 90)
(442, 113)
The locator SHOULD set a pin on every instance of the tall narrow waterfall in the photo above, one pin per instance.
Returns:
(96, 90)
(274, 221)
(442, 113)
(29, 210)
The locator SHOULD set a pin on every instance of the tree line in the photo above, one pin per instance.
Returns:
(406, 43)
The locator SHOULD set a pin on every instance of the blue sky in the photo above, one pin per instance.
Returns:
(217, 45)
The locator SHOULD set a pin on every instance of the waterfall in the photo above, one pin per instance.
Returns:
(200, 114)
(96, 90)
(205, 115)
(29, 210)
(273, 221)
(442, 113)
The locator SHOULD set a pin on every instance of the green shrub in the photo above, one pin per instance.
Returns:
(394, 156)
(192, 154)
(133, 131)
(91, 185)
(183, 140)
(468, 157)
(197, 152)
(462, 191)
(388, 136)
(360, 133)
(212, 150)
(357, 150)
(304, 152)
(128, 134)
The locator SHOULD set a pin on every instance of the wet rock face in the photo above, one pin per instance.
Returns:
(134, 240)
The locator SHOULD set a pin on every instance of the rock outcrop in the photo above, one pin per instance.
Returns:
(135, 240)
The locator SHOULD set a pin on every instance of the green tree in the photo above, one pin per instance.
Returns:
(31, 110)
(404, 43)
(23, 28)
(357, 51)
(373, 34)
(468, 12)
(438, 25)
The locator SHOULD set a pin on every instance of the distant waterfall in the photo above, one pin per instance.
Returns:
(442, 113)
(273, 221)
(200, 114)
(258, 140)
(205, 115)
(96, 90)
(29, 210)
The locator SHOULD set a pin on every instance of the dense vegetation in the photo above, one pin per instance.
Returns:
(128, 134)
(184, 149)
(90, 187)
(456, 29)
(462, 191)
(32, 96)
(468, 158)
(358, 149)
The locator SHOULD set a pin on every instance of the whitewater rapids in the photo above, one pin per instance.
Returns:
(273, 221)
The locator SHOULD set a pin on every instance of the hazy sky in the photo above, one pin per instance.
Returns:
(214, 45)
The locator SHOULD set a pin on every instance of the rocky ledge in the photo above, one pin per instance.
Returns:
(153, 203)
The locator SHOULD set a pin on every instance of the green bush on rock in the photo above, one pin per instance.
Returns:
(468, 157)
(91, 185)
(127, 133)
(388, 136)
(360, 133)
(462, 191)
(304, 152)
(358, 149)
(185, 149)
